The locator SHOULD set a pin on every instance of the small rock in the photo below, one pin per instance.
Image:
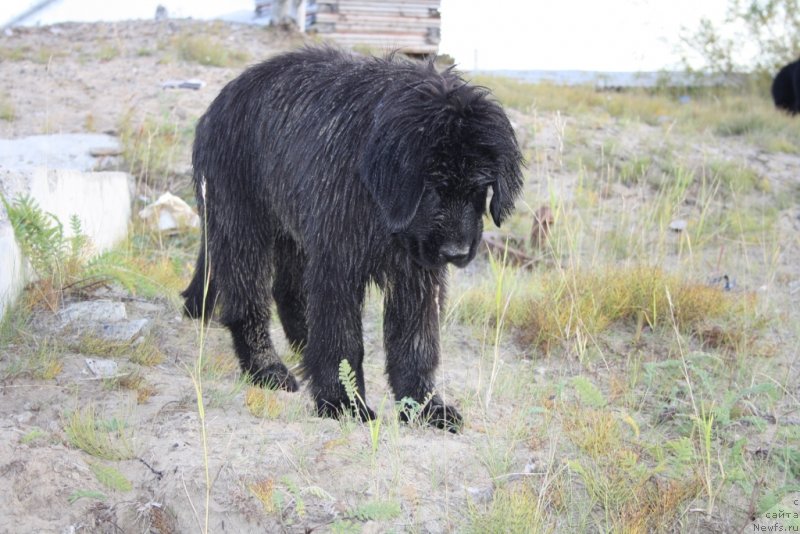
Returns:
(102, 368)
(121, 331)
(727, 283)
(93, 311)
(481, 495)
(169, 213)
(193, 83)
(678, 225)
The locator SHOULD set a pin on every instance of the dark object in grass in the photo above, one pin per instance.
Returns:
(786, 88)
(317, 172)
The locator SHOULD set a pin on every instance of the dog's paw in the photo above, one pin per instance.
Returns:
(275, 376)
(435, 413)
(335, 409)
(444, 417)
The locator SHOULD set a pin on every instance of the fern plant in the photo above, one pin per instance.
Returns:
(347, 377)
(63, 264)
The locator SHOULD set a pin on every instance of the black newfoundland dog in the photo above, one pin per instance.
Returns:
(786, 88)
(319, 171)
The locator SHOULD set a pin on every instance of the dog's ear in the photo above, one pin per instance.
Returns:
(505, 190)
(499, 205)
(393, 169)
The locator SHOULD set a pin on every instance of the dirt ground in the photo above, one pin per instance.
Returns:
(285, 470)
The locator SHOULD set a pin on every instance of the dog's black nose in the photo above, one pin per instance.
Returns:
(454, 253)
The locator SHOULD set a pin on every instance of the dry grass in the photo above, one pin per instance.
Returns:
(209, 51)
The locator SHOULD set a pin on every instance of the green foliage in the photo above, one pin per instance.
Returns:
(377, 511)
(347, 377)
(33, 435)
(7, 111)
(62, 261)
(106, 439)
(41, 237)
(86, 494)
(588, 393)
(512, 510)
(110, 477)
(208, 51)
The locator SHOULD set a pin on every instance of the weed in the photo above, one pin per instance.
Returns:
(264, 491)
(132, 381)
(32, 436)
(107, 52)
(147, 353)
(110, 477)
(151, 147)
(62, 261)
(86, 494)
(105, 439)
(513, 509)
(263, 403)
(376, 511)
(7, 111)
(208, 51)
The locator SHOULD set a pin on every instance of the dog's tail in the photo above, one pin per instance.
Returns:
(201, 295)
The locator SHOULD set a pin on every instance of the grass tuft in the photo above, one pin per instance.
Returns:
(263, 403)
(513, 510)
(105, 439)
(208, 51)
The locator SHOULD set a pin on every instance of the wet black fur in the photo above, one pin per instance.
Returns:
(786, 88)
(317, 172)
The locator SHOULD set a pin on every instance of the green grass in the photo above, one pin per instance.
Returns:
(208, 50)
(107, 439)
(8, 112)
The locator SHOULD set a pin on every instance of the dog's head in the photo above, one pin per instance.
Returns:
(435, 151)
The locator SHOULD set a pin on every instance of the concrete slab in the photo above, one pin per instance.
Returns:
(58, 151)
(56, 171)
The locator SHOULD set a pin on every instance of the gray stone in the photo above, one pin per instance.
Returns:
(121, 331)
(102, 368)
(481, 495)
(678, 225)
(93, 311)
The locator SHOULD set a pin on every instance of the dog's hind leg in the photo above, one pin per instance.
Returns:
(242, 269)
(412, 302)
(288, 290)
(201, 295)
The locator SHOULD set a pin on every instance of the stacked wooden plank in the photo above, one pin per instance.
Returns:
(412, 26)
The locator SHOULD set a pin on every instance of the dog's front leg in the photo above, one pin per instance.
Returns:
(334, 334)
(411, 336)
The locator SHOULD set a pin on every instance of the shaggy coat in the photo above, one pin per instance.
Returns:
(786, 88)
(318, 172)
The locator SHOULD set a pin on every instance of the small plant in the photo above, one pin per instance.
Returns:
(347, 378)
(264, 491)
(7, 111)
(86, 494)
(263, 403)
(108, 440)
(62, 263)
(376, 511)
(33, 435)
(208, 51)
(513, 510)
(110, 477)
